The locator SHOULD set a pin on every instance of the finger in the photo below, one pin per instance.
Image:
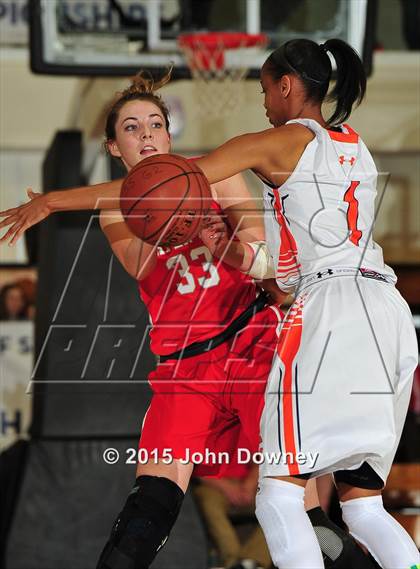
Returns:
(11, 230)
(8, 212)
(216, 219)
(207, 222)
(204, 233)
(33, 194)
(216, 227)
(9, 234)
(8, 221)
(212, 218)
(19, 234)
(219, 227)
(217, 237)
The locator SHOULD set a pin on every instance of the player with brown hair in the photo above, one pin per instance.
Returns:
(158, 494)
(214, 336)
(213, 333)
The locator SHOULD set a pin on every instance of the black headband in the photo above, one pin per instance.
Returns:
(303, 73)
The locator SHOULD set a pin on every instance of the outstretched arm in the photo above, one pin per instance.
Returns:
(40, 206)
(234, 156)
(272, 153)
(137, 257)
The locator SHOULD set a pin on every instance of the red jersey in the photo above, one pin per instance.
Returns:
(192, 296)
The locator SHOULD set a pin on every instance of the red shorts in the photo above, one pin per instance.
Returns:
(200, 404)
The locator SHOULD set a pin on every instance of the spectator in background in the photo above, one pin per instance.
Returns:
(220, 501)
(28, 286)
(13, 303)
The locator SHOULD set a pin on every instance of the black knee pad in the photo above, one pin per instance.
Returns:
(144, 524)
(339, 548)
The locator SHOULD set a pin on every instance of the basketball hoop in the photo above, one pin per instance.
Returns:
(218, 61)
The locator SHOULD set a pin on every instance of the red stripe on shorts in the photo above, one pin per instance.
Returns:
(288, 346)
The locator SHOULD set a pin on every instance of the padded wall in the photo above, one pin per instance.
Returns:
(92, 354)
(68, 502)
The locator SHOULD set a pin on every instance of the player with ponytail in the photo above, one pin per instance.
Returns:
(341, 378)
(349, 333)
(311, 63)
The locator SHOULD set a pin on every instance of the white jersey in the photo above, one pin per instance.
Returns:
(322, 216)
(340, 383)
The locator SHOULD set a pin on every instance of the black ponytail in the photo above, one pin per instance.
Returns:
(350, 85)
(311, 63)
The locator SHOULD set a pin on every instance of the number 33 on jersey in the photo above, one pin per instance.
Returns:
(192, 296)
(189, 282)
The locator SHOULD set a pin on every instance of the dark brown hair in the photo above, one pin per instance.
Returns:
(143, 88)
(4, 313)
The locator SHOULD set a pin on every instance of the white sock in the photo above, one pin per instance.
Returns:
(386, 539)
(288, 531)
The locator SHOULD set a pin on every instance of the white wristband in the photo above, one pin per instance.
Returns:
(262, 264)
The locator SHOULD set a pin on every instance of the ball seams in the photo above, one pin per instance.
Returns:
(177, 227)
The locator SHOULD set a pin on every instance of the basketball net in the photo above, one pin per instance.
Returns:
(218, 63)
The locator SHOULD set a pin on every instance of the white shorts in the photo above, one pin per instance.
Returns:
(340, 384)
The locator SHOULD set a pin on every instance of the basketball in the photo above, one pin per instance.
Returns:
(164, 199)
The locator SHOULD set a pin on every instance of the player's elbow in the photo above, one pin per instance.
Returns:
(140, 264)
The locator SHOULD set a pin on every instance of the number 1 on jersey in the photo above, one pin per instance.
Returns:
(353, 213)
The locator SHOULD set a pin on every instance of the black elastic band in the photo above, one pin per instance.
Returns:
(303, 74)
(206, 345)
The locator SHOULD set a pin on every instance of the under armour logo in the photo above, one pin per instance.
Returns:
(351, 160)
(322, 273)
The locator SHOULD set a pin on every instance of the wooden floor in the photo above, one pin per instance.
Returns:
(402, 497)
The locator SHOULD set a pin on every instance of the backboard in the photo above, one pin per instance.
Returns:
(118, 37)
